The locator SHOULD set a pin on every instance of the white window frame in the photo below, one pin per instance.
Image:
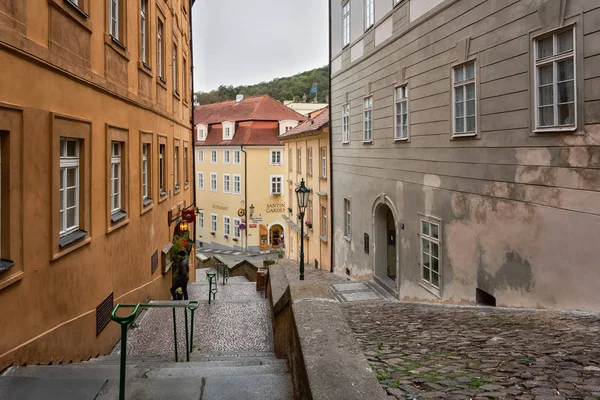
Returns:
(226, 183)
(68, 163)
(144, 28)
(214, 223)
(159, 47)
(175, 69)
(226, 157)
(226, 225)
(237, 184)
(324, 222)
(346, 123)
(368, 119)
(273, 180)
(213, 157)
(200, 180)
(463, 85)
(369, 13)
(276, 157)
(214, 185)
(323, 162)
(431, 240)
(145, 183)
(201, 219)
(346, 24)
(401, 118)
(227, 132)
(236, 228)
(162, 148)
(200, 156)
(237, 157)
(116, 175)
(114, 19)
(554, 60)
(347, 218)
(299, 159)
(200, 133)
(176, 166)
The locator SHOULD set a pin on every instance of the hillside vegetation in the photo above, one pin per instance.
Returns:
(289, 88)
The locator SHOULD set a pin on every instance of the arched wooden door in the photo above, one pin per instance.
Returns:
(276, 236)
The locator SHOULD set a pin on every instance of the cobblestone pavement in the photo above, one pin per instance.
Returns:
(237, 321)
(436, 352)
(292, 271)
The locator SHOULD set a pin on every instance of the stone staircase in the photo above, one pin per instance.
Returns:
(233, 358)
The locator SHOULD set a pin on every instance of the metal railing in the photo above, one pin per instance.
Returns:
(126, 320)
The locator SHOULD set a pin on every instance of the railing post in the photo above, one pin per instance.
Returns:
(187, 344)
(192, 335)
(175, 334)
(123, 361)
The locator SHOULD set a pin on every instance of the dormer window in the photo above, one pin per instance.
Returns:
(228, 130)
(228, 133)
(201, 133)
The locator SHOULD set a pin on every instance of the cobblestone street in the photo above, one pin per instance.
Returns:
(435, 352)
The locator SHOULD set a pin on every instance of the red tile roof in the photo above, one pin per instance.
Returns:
(252, 133)
(260, 108)
(318, 120)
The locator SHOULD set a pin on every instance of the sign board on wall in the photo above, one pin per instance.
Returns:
(252, 226)
(154, 261)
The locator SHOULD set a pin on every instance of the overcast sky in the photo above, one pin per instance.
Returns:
(240, 42)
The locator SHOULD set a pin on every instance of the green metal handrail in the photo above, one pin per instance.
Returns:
(126, 320)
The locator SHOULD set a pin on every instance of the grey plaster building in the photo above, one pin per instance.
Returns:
(466, 149)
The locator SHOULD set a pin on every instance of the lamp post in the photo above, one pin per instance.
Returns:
(302, 194)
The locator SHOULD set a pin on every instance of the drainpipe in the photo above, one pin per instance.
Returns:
(245, 196)
(191, 4)
(330, 179)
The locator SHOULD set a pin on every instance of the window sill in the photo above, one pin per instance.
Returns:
(147, 205)
(556, 130)
(71, 238)
(186, 186)
(176, 94)
(472, 135)
(5, 265)
(177, 188)
(12, 278)
(346, 142)
(368, 141)
(401, 140)
(160, 81)
(74, 12)
(323, 178)
(425, 285)
(145, 69)
(162, 196)
(117, 46)
(117, 216)
(323, 239)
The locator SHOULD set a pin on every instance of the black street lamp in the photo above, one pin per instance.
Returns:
(302, 193)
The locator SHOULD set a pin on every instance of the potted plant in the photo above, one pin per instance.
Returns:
(290, 210)
(309, 224)
(235, 239)
(213, 233)
(226, 236)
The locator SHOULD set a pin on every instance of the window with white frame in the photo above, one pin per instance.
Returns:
(236, 228)
(324, 221)
(115, 178)
(145, 180)
(323, 162)
(161, 169)
(299, 162)
(176, 167)
(276, 183)
(401, 113)
(69, 185)
(213, 182)
(213, 222)
(288, 128)
(186, 178)
(159, 49)
(200, 219)
(291, 244)
(397, 2)
(346, 123)
(347, 218)
(213, 157)
(556, 91)
(227, 226)
(200, 180)
(114, 19)
(276, 157)
(368, 119)
(464, 104)
(226, 183)
(175, 85)
(346, 24)
(237, 157)
(226, 157)
(309, 161)
(430, 251)
(200, 133)
(369, 13)
(310, 213)
(200, 156)
(227, 132)
(144, 30)
(237, 184)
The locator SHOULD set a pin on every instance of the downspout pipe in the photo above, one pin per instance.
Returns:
(330, 180)
(192, 119)
(245, 197)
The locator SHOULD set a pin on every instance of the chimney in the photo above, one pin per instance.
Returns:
(239, 98)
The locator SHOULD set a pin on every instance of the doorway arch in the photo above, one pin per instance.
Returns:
(386, 243)
(276, 236)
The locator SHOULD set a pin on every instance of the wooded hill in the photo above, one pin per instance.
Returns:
(289, 88)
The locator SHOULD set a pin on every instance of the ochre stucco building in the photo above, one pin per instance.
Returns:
(96, 149)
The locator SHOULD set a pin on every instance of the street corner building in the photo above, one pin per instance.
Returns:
(240, 173)
(465, 149)
(307, 151)
(96, 156)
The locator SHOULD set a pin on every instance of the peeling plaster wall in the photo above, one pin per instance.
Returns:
(519, 211)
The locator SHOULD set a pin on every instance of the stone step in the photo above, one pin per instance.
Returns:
(33, 388)
(242, 359)
(150, 370)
